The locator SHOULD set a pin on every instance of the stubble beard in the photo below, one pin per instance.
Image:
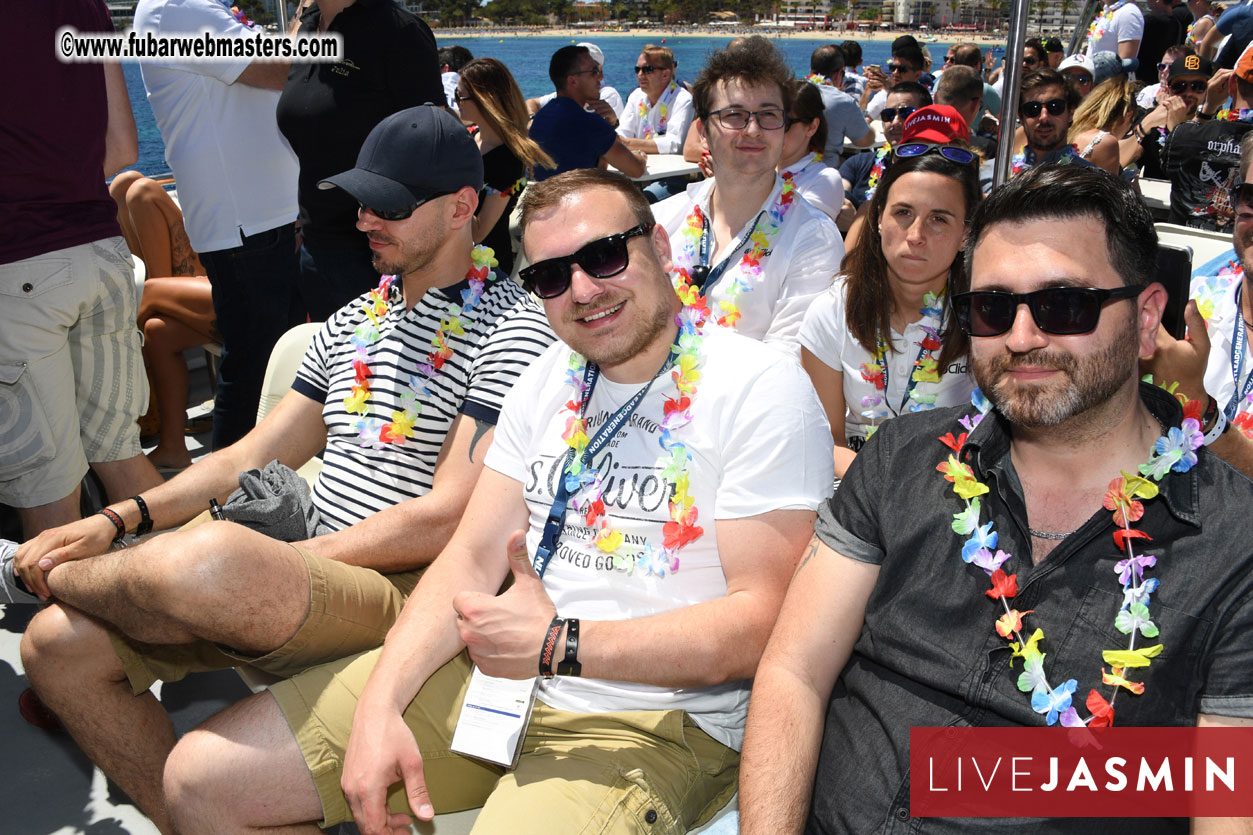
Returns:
(1092, 380)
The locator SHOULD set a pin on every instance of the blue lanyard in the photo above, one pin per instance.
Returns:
(909, 389)
(561, 499)
(713, 274)
(1238, 343)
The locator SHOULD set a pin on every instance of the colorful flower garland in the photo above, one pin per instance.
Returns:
(762, 238)
(820, 80)
(374, 432)
(516, 188)
(1175, 451)
(926, 369)
(675, 464)
(876, 170)
(663, 109)
(1019, 163)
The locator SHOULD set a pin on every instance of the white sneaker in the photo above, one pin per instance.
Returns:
(10, 591)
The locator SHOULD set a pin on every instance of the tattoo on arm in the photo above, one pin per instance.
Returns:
(481, 428)
(810, 553)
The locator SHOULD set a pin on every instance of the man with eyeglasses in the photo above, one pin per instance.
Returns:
(572, 135)
(1081, 72)
(1046, 107)
(744, 240)
(402, 389)
(906, 65)
(649, 492)
(657, 114)
(901, 592)
(843, 115)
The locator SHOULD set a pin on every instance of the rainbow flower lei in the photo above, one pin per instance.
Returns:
(762, 238)
(374, 432)
(675, 462)
(1175, 451)
(1100, 23)
(926, 369)
(1019, 163)
(663, 109)
(876, 170)
(516, 188)
(820, 80)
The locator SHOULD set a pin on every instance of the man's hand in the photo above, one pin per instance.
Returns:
(1176, 111)
(382, 751)
(603, 109)
(84, 538)
(1215, 92)
(1182, 360)
(875, 79)
(504, 633)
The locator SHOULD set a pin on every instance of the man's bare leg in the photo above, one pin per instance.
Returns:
(127, 477)
(241, 771)
(217, 582)
(128, 736)
(36, 520)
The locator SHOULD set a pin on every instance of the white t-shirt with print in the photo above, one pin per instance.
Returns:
(825, 334)
(803, 258)
(759, 442)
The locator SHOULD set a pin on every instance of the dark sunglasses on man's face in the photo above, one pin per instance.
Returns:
(1241, 196)
(645, 69)
(1061, 311)
(895, 68)
(1179, 87)
(1031, 109)
(889, 114)
(952, 153)
(602, 258)
(1029, 61)
(399, 214)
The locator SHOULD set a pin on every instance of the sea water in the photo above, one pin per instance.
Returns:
(527, 58)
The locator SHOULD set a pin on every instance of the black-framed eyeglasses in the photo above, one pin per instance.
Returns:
(952, 153)
(894, 68)
(1031, 109)
(601, 258)
(646, 69)
(1061, 311)
(458, 97)
(889, 114)
(737, 118)
(399, 214)
(1180, 87)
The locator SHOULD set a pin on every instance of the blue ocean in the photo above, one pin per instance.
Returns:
(528, 58)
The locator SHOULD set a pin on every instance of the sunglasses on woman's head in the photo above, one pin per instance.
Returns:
(1061, 311)
(601, 258)
(889, 114)
(952, 153)
(1031, 109)
(1179, 87)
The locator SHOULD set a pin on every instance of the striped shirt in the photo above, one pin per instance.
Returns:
(503, 335)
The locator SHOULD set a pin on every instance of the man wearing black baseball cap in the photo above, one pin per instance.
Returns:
(1187, 82)
(402, 387)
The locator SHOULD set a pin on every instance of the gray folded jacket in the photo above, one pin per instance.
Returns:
(276, 502)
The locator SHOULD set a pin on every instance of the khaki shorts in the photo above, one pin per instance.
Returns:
(350, 610)
(72, 380)
(630, 772)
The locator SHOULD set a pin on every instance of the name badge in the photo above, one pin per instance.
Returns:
(493, 719)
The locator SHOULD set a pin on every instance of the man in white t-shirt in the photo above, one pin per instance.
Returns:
(691, 459)
(237, 186)
(1119, 26)
(657, 115)
(401, 389)
(744, 241)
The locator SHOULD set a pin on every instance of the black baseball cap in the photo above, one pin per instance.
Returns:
(1054, 45)
(411, 157)
(1189, 65)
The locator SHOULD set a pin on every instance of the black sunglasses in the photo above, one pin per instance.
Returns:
(1081, 79)
(1178, 87)
(1061, 311)
(1241, 194)
(399, 214)
(1031, 109)
(900, 68)
(890, 113)
(1030, 61)
(602, 258)
(648, 70)
(459, 97)
(952, 153)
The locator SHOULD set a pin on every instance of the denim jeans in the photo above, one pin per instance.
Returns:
(330, 277)
(255, 300)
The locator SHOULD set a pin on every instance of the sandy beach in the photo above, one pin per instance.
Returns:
(660, 33)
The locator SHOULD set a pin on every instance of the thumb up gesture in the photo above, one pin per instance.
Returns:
(503, 633)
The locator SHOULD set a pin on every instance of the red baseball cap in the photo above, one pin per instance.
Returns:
(938, 123)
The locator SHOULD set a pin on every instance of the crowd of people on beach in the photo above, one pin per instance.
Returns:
(630, 493)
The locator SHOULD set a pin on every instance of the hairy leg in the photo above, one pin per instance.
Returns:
(242, 771)
(74, 669)
(52, 515)
(218, 582)
(126, 477)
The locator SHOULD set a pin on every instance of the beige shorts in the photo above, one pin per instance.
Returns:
(350, 610)
(633, 772)
(72, 380)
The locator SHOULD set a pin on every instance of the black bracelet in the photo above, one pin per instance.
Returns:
(145, 521)
(1204, 117)
(570, 665)
(118, 524)
(549, 648)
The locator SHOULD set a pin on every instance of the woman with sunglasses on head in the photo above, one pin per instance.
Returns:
(1100, 122)
(880, 342)
(488, 96)
(804, 138)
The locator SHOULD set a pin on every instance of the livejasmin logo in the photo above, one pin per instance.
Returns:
(1081, 772)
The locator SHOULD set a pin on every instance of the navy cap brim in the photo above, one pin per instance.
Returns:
(376, 191)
